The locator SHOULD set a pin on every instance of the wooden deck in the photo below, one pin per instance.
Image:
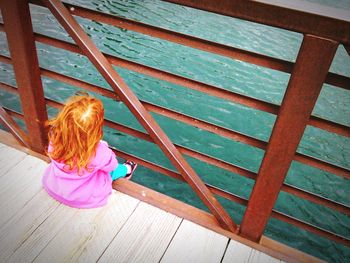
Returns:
(36, 228)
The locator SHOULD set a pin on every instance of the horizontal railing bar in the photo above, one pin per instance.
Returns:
(199, 86)
(227, 195)
(320, 164)
(227, 166)
(217, 162)
(5, 59)
(206, 126)
(14, 113)
(78, 83)
(223, 193)
(337, 80)
(317, 20)
(310, 228)
(317, 199)
(8, 88)
(198, 43)
(330, 126)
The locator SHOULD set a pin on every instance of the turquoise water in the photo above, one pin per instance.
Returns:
(258, 82)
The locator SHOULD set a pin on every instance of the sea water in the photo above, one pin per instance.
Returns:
(254, 81)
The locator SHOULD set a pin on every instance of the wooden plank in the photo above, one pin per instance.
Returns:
(84, 238)
(9, 157)
(145, 236)
(207, 220)
(193, 243)
(36, 242)
(259, 257)
(23, 224)
(19, 185)
(292, 253)
(8, 139)
(237, 252)
(20, 175)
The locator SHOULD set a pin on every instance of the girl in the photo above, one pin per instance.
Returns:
(82, 166)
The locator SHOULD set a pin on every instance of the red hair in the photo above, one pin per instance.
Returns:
(76, 131)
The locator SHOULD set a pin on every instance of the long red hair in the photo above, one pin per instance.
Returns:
(75, 132)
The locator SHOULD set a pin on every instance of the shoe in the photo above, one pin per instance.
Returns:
(133, 167)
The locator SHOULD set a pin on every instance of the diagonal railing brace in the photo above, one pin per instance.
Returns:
(139, 111)
(14, 128)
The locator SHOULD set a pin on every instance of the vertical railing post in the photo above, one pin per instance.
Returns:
(19, 32)
(312, 65)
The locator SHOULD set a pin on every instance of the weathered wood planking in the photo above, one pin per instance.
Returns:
(21, 226)
(19, 185)
(89, 232)
(237, 252)
(9, 157)
(259, 257)
(193, 243)
(37, 241)
(35, 227)
(144, 237)
(24, 172)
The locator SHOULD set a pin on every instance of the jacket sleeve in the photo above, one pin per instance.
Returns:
(108, 162)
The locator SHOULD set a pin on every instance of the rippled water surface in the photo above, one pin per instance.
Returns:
(229, 74)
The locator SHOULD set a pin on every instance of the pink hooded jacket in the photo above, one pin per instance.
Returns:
(88, 190)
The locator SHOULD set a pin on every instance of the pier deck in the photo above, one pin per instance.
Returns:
(36, 228)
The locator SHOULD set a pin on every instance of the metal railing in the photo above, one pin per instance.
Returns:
(320, 43)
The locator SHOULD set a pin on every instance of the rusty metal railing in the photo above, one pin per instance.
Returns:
(321, 45)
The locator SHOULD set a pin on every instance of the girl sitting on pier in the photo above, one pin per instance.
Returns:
(82, 166)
